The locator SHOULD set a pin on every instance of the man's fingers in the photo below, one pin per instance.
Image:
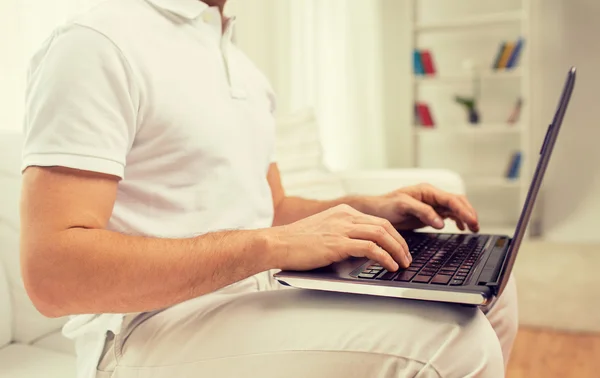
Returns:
(382, 237)
(475, 225)
(459, 207)
(421, 210)
(459, 223)
(370, 250)
(368, 219)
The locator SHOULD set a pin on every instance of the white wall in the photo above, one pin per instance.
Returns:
(571, 208)
(327, 55)
(397, 72)
(24, 25)
(11, 88)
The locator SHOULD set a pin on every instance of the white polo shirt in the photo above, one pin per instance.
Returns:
(153, 92)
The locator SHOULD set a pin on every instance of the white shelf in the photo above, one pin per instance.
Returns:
(467, 23)
(483, 128)
(462, 77)
(493, 182)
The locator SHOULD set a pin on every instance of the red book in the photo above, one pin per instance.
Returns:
(428, 65)
(424, 115)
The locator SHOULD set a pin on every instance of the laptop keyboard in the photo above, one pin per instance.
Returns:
(438, 259)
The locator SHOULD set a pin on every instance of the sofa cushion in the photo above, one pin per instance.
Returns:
(56, 342)
(5, 310)
(22, 361)
(28, 323)
(299, 156)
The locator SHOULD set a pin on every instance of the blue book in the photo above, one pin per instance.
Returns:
(515, 166)
(516, 53)
(418, 63)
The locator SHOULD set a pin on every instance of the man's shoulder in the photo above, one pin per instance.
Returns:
(121, 21)
(113, 14)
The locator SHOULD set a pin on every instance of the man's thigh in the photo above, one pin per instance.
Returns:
(297, 333)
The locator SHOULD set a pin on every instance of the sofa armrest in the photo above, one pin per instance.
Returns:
(383, 181)
(6, 311)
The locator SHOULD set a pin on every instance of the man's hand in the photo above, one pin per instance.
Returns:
(421, 205)
(334, 235)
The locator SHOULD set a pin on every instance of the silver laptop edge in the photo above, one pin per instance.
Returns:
(379, 289)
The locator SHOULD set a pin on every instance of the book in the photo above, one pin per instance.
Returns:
(506, 53)
(516, 112)
(428, 64)
(418, 63)
(515, 54)
(424, 115)
(418, 120)
(514, 166)
(499, 55)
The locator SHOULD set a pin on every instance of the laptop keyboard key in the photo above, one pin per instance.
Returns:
(405, 276)
(422, 279)
(387, 276)
(367, 275)
(441, 280)
(457, 282)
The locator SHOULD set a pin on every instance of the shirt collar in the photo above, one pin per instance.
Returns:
(189, 9)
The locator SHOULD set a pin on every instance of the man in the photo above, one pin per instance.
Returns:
(151, 200)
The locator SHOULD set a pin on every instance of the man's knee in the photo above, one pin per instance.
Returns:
(504, 317)
(473, 350)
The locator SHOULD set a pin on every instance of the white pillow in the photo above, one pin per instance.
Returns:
(299, 156)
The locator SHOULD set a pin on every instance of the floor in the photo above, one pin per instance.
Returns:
(543, 353)
(558, 286)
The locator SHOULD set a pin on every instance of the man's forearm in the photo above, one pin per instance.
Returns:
(99, 271)
(292, 209)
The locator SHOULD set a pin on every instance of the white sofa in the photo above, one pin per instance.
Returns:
(32, 346)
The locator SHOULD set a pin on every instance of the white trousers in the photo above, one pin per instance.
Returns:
(293, 333)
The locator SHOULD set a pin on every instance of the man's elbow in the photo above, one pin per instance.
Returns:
(41, 288)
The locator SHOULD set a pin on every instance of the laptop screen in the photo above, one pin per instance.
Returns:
(545, 153)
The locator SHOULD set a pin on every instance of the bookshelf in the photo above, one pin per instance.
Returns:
(465, 77)
(482, 150)
(471, 22)
(465, 129)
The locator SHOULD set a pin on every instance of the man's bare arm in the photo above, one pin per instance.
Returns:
(290, 209)
(407, 208)
(71, 264)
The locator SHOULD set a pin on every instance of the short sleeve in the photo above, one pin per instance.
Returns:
(81, 104)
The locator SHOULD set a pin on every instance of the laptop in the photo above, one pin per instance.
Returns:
(470, 269)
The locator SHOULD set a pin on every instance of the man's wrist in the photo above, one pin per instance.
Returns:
(268, 249)
(364, 204)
